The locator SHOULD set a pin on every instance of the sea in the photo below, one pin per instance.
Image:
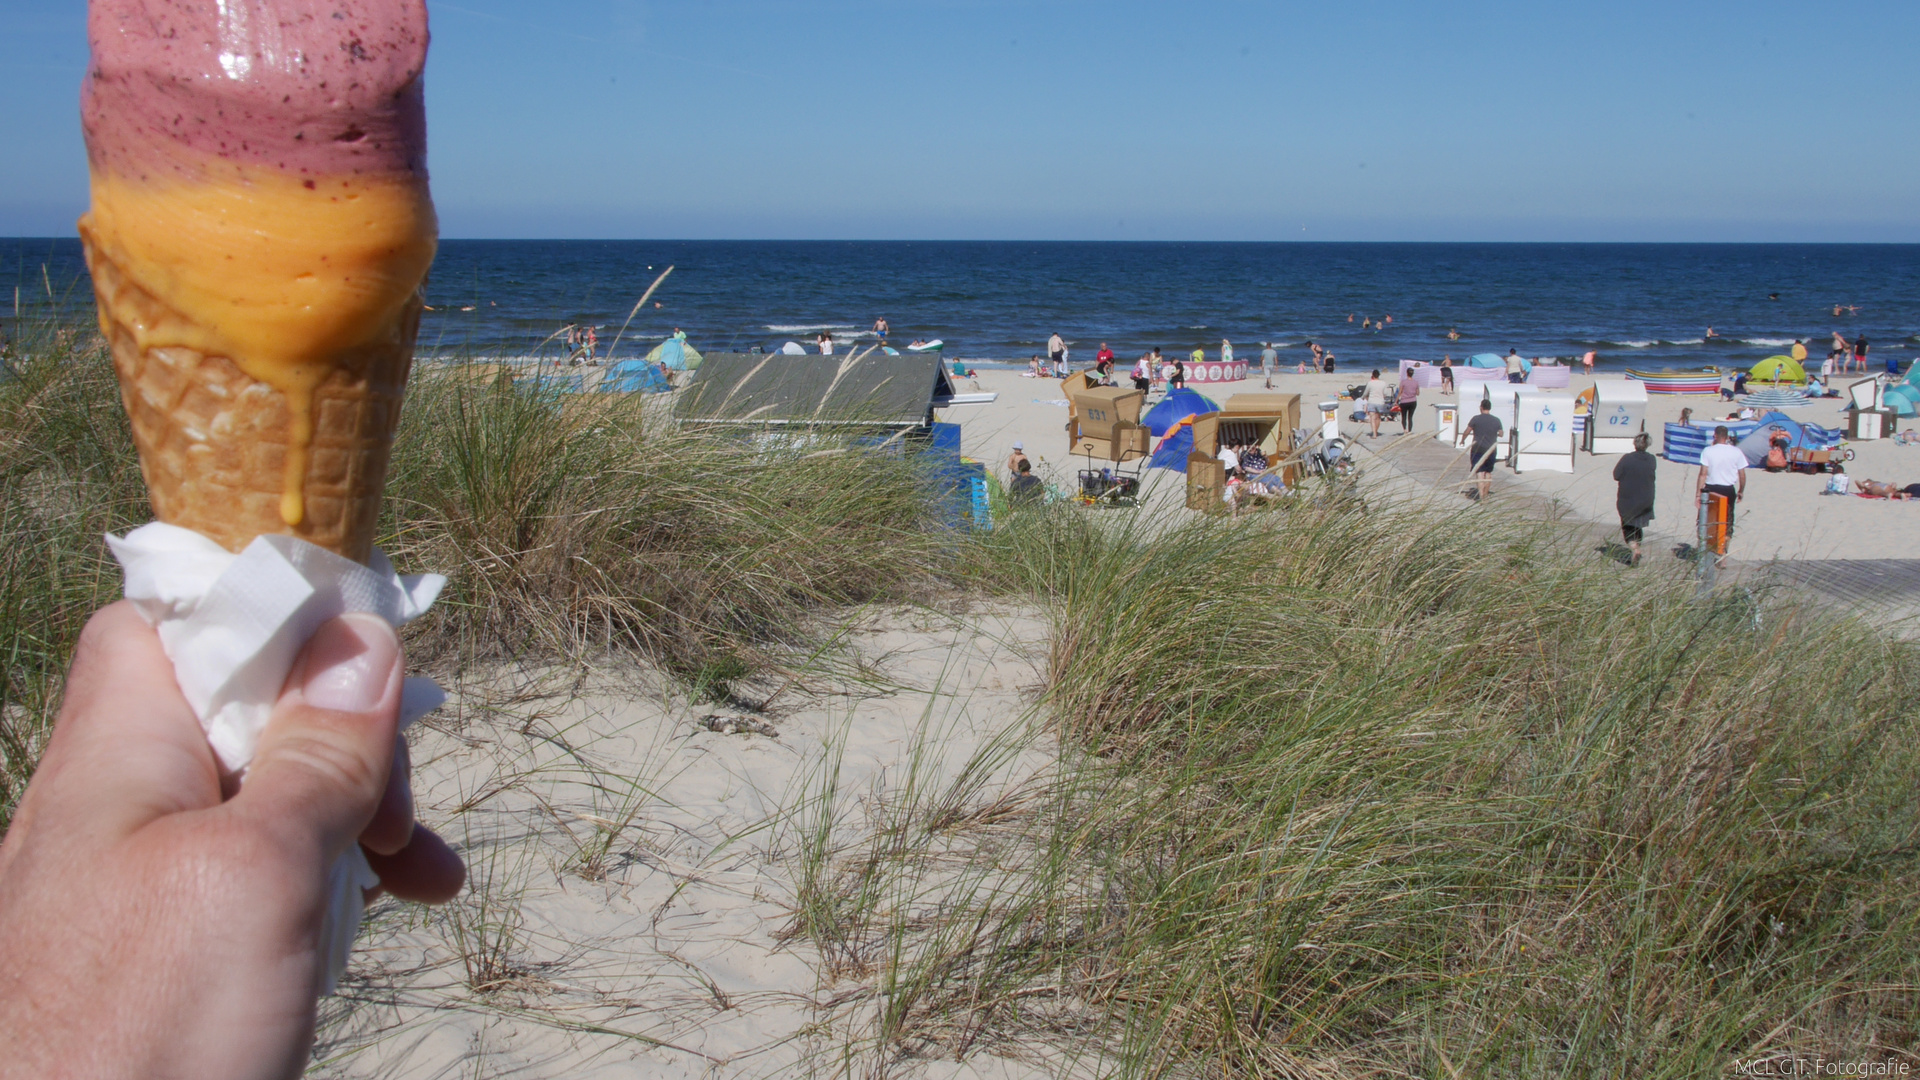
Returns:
(1646, 306)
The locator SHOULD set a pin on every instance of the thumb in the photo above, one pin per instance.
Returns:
(323, 760)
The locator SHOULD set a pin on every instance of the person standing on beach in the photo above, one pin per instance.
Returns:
(1376, 403)
(1485, 430)
(593, 343)
(1799, 350)
(1178, 379)
(1839, 352)
(880, 329)
(1860, 352)
(825, 341)
(1516, 370)
(1143, 372)
(1587, 362)
(1269, 360)
(1103, 361)
(1409, 399)
(1226, 351)
(1723, 472)
(1446, 374)
(1057, 351)
(1314, 348)
(1635, 474)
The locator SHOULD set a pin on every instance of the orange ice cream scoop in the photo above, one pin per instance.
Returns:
(259, 230)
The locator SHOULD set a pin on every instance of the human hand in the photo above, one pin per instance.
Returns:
(154, 921)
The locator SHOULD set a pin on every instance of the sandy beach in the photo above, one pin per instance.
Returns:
(1783, 516)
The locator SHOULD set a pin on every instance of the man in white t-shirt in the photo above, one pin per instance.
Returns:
(1230, 459)
(1723, 471)
(1516, 367)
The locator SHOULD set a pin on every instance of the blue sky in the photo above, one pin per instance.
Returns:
(1059, 119)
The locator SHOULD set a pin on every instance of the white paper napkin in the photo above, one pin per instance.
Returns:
(232, 625)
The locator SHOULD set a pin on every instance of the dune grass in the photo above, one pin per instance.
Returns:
(580, 525)
(1404, 793)
(571, 527)
(67, 475)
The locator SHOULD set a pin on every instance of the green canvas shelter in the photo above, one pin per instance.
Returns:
(773, 389)
(1778, 369)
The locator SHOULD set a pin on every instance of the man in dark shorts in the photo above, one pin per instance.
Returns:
(1485, 429)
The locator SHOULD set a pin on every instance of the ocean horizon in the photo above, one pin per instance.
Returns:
(1634, 304)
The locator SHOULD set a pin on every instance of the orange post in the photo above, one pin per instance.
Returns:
(1719, 522)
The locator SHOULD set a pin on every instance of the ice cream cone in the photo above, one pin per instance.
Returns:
(224, 454)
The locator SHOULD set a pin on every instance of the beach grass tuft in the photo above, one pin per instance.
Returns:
(1411, 793)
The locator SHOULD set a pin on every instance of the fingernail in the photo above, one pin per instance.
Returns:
(352, 661)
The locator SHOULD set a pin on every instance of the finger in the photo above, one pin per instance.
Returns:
(392, 824)
(426, 870)
(323, 760)
(126, 749)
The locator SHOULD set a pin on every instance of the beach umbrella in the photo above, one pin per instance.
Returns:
(1175, 407)
(1779, 369)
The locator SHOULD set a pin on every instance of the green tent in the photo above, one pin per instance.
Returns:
(1779, 369)
(675, 354)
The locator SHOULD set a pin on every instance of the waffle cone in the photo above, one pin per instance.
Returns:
(214, 441)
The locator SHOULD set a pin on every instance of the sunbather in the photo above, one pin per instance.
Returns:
(1876, 489)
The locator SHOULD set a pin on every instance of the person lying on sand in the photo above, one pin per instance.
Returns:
(1878, 490)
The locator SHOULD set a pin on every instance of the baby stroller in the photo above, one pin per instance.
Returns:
(1321, 457)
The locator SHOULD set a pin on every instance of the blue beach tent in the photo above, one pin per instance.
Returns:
(1173, 450)
(1903, 399)
(1171, 423)
(1174, 408)
(1755, 443)
(633, 377)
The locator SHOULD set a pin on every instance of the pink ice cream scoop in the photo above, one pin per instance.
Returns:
(306, 87)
